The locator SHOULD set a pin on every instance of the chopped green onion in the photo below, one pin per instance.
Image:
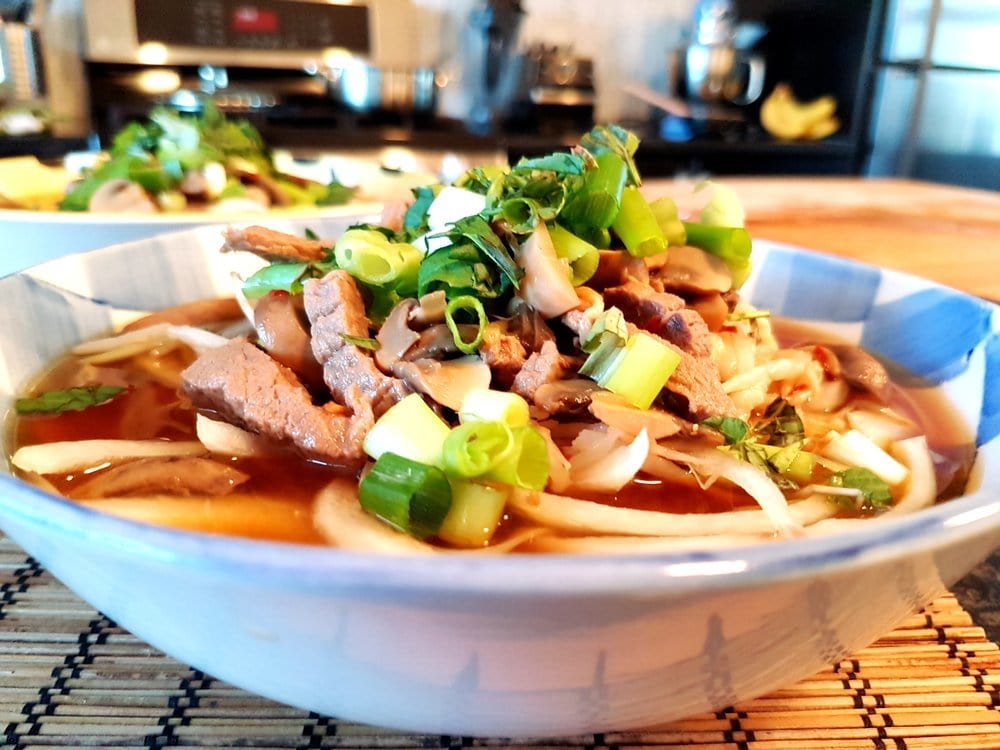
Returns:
(723, 208)
(484, 405)
(580, 254)
(637, 227)
(617, 139)
(599, 238)
(528, 466)
(475, 513)
(636, 369)
(732, 244)
(472, 304)
(517, 456)
(598, 201)
(610, 329)
(791, 461)
(409, 496)
(374, 259)
(665, 211)
(410, 429)
(71, 399)
(475, 448)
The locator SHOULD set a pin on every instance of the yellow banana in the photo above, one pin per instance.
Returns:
(784, 116)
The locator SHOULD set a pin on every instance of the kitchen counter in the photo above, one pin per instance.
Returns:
(944, 233)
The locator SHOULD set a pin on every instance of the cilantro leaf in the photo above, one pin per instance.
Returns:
(415, 218)
(734, 430)
(477, 230)
(873, 488)
(70, 399)
(618, 140)
(559, 162)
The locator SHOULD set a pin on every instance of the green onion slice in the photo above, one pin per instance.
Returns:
(409, 496)
(475, 448)
(472, 304)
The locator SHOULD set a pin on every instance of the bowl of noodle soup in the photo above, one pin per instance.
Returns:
(618, 637)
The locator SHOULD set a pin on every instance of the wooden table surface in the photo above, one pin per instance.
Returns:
(944, 233)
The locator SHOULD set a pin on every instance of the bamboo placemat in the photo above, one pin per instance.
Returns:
(69, 677)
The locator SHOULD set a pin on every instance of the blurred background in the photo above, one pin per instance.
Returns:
(860, 87)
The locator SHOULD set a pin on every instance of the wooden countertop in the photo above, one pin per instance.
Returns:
(941, 232)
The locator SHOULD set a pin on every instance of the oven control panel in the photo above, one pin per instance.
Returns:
(252, 33)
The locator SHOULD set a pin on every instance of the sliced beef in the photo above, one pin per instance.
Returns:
(503, 353)
(244, 386)
(695, 391)
(546, 365)
(281, 331)
(172, 475)
(272, 245)
(335, 309)
(661, 313)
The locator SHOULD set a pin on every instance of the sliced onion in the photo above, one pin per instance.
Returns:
(80, 455)
(882, 427)
(922, 488)
(587, 517)
(342, 521)
(855, 449)
(123, 345)
(602, 462)
(229, 440)
(751, 480)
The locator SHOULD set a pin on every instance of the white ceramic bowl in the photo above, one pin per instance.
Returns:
(33, 237)
(515, 645)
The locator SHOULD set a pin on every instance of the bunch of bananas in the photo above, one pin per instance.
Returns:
(785, 117)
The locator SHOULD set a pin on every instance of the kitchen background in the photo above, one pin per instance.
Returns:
(916, 82)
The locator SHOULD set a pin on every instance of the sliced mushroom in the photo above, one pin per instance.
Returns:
(395, 336)
(447, 382)
(571, 396)
(120, 196)
(615, 267)
(430, 309)
(691, 270)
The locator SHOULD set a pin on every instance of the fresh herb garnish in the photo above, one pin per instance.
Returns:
(477, 230)
(415, 219)
(561, 163)
(619, 141)
(774, 444)
(874, 490)
(70, 399)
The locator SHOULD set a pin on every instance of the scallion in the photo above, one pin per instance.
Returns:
(484, 405)
(580, 254)
(410, 496)
(528, 464)
(410, 429)
(598, 201)
(517, 456)
(374, 259)
(475, 448)
(665, 211)
(475, 513)
(472, 304)
(637, 227)
(636, 369)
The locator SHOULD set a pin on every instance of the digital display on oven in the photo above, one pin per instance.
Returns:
(249, 19)
(279, 25)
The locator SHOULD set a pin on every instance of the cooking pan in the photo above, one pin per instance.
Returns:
(362, 87)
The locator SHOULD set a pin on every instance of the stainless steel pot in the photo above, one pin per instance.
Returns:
(366, 88)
